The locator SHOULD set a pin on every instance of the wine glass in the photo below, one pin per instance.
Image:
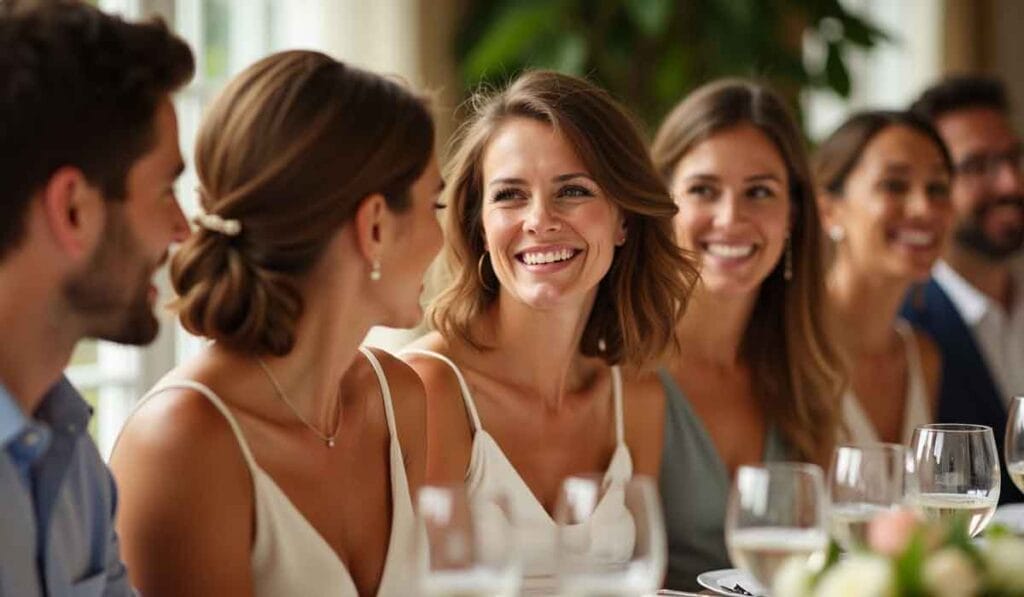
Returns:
(610, 537)
(1014, 447)
(953, 472)
(863, 481)
(776, 515)
(465, 546)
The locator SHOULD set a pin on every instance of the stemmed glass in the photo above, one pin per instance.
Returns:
(863, 481)
(954, 472)
(1014, 447)
(776, 515)
(465, 546)
(602, 550)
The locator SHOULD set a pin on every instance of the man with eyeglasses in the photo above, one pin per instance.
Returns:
(974, 303)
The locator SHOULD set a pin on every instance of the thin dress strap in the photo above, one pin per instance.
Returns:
(620, 433)
(910, 344)
(385, 390)
(918, 409)
(215, 400)
(463, 386)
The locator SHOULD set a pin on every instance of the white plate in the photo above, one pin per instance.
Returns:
(1011, 515)
(722, 582)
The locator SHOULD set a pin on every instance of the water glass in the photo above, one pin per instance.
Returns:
(1014, 446)
(953, 472)
(466, 545)
(611, 537)
(775, 516)
(863, 481)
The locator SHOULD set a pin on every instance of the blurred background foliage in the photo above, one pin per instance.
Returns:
(650, 53)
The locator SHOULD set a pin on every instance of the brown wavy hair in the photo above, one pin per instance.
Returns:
(797, 370)
(648, 285)
(290, 149)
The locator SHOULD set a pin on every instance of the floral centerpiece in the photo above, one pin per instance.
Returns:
(906, 557)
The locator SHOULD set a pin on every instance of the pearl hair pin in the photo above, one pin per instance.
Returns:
(215, 223)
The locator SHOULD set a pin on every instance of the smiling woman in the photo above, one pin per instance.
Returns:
(758, 378)
(884, 190)
(560, 242)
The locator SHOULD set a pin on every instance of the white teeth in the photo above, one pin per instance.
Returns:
(729, 251)
(915, 238)
(547, 257)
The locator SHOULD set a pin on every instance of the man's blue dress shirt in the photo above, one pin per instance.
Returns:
(57, 534)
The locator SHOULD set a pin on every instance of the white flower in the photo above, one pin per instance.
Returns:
(793, 579)
(1003, 558)
(949, 573)
(859, 575)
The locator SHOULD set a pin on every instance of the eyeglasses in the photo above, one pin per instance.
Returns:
(986, 165)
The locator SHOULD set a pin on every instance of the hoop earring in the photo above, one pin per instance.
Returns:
(787, 272)
(480, 272)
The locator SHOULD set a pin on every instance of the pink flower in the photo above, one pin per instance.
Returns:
(890, 532)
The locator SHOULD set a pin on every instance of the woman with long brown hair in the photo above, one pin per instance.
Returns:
(559, 239)
(883, 187)
(281, 460)
(757, 377)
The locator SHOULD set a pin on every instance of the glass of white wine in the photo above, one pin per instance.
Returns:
(610, 537)
(863, 481)
(465, 546)
(776, 514)
(953, 472)
(1014, 446)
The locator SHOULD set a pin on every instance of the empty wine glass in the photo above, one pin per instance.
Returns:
(465, 547)
(863, 481)
(776, 515)
(611, 537)
(953, 472)
(1014, 447)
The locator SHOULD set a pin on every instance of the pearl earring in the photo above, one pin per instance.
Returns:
(375, 271)
(837, 233)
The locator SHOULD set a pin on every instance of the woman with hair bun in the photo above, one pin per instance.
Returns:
(281, 460)
(567, 285)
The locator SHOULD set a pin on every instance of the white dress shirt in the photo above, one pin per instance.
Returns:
(999, 334)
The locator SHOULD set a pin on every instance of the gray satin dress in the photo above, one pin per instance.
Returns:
(694, 484)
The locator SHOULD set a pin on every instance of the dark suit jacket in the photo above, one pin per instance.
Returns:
(967, 393)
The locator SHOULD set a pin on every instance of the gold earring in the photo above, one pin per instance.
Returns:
(480, 272)
(375, 270)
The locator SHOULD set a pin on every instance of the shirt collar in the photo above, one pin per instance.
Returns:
(968, 300)
(61, 408)
(12, 420)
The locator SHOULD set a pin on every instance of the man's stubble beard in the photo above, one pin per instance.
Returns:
(97, 294)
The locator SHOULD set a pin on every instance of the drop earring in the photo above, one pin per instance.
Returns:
(375, 270)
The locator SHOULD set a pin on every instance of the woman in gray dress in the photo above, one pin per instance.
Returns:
(758, 377)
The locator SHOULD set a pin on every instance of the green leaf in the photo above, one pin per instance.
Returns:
(836, 75)
(909, 568)
(670, 75)
(861, 33)
(567, 54)
(508, 38)
(998, 530)
(650, 16)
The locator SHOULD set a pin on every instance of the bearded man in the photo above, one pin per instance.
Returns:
(973, 306)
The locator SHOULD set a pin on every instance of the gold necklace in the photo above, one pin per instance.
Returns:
(327, 439)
